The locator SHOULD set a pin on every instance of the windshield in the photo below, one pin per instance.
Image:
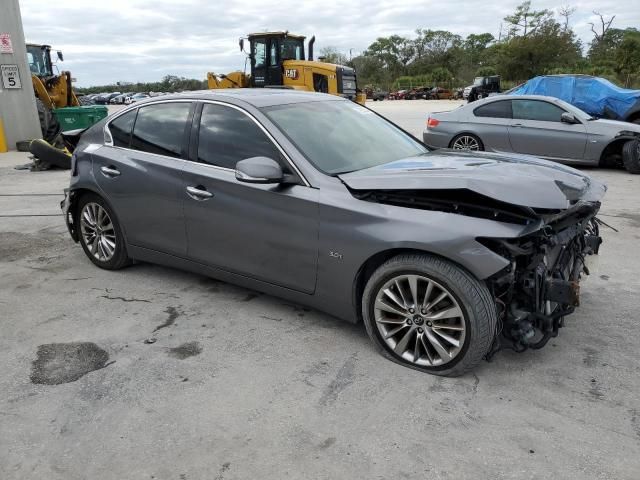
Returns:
(38, 60)
(292, 49)
(342, 136)
(477, 81)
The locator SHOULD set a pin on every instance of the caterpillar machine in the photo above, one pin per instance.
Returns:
(52, 91)
(278, 61)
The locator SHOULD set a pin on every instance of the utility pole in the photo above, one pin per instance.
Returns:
(18, 113)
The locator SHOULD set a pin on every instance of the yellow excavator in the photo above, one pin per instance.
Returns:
(278, 61)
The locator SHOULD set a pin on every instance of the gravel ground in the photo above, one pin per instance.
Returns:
(153, 373)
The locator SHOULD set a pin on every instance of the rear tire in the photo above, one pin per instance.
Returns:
(631, 156)
(100, 233)
(445, 337)
(468, 142)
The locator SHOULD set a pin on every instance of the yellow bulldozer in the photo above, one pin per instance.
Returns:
(278, 61)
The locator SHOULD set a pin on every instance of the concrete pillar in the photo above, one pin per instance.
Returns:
(17, 105)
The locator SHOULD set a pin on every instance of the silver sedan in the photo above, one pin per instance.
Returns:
(536, 125)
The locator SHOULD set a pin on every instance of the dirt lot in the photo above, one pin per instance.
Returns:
(241, 385)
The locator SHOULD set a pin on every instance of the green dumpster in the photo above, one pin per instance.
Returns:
(73, 118)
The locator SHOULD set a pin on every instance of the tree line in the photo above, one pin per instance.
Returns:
(169, 83)
(530, 42)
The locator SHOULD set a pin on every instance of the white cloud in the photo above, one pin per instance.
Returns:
(142, 40)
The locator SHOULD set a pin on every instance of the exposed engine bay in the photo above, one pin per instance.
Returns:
(541, 284)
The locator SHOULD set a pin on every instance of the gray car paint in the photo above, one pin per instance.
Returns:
(581, 143)
(309, 243)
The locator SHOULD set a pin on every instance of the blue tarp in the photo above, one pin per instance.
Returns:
(596, 96)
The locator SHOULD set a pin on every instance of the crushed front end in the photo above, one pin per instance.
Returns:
(541, 285)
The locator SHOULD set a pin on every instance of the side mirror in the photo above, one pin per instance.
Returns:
(259, 170)
(566, 117)
(60, 56)
(241, 43)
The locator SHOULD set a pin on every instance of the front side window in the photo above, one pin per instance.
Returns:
(121, 127)
(339, 136)
(501, 109)
(259, 53)
(536, 110)
(291, 49)
(227, 136)
(160, 129)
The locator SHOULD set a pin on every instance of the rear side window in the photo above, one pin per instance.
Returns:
(227, 136)
(536, 110)
(500, 109)
(120, 129)
(160, 129)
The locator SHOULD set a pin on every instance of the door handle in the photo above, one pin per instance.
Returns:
(198, 193)
(110, 172)
(517, 125)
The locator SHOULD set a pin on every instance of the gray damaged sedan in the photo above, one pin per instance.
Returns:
(536, 125)
(445, 256)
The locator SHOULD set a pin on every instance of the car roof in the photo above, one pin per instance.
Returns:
(257, 97)
(516, 97)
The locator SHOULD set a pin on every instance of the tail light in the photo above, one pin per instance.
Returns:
(432, 122)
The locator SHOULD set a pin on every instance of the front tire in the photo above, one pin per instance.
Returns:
(49, 124)
(631, 156)
(427, 313)
(100, 233)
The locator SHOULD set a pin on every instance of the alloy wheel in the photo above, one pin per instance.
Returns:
(98, 232)
(420, 320)
(466, 142)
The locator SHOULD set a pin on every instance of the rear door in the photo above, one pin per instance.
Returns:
(537, 129)
(140, 174)
(266, 232)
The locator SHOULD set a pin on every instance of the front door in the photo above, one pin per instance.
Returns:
(266, 67)
(141, 174)
(536, 129)
(266, 232)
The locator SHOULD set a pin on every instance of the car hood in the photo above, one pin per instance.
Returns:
(615, 125)
(516, 179)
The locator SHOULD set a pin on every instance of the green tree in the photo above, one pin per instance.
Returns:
(333, 55)
(525, 21)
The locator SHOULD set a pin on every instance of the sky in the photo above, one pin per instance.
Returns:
(142, 40)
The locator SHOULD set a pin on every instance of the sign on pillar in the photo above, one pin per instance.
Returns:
(5, 43)
(10, 76)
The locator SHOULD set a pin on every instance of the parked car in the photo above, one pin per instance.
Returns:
(482, 87)
(444, 255)
(119, 99)
(397, 95)
(597, 96)
(135, 98)
(535, 125)
(105, 98)
(418, 93)
(379, 95)
(438, 93)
